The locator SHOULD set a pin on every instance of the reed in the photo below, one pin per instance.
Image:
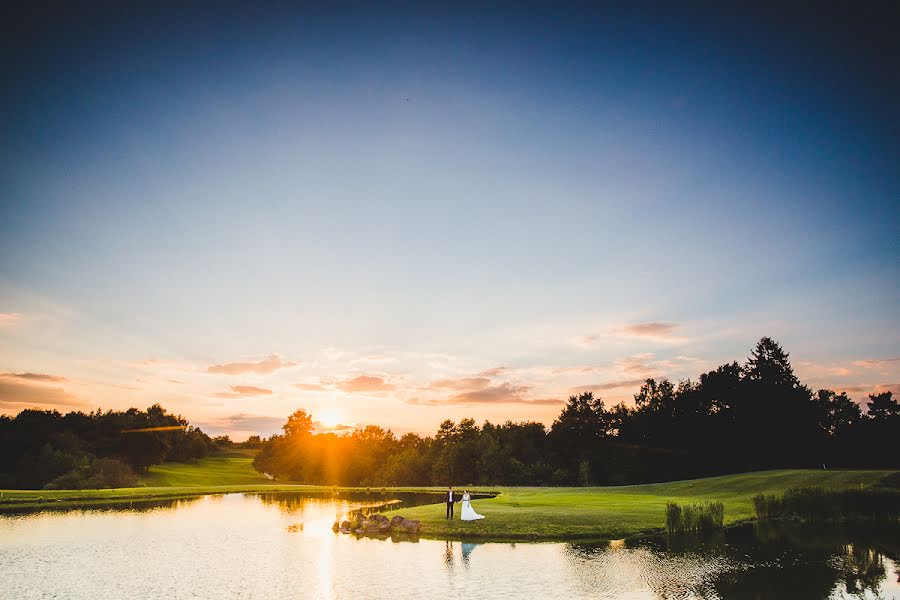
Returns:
(823, 505)
(694, 518)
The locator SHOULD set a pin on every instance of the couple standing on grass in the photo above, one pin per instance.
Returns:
(468, 513)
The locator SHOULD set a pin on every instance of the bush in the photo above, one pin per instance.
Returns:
(820, 505)
(694, 518)
(102, 473)
(111, 473)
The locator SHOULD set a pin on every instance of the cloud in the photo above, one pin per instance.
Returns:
(585, 341)
(268, 365)
(259, 424)
(875, 362)
(611, 385)
(322, 427)
(41, 377)
(504, 393)
(654, 329)
(310, 387)
(365, 383)
(17, 393)
(9, 318)
(493, 372)
(462, 383)
(637, 363)
(880, 388)
(240, 391)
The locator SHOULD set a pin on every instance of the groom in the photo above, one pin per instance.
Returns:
(450, 502)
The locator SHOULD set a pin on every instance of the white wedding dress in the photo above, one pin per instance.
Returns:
(468, 513)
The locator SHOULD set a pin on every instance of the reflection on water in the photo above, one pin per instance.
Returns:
(280, 546)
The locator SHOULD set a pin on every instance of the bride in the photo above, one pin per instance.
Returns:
(468, 513)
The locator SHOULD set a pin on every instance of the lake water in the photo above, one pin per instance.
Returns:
(280, 546)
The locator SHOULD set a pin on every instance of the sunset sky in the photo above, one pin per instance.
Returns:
(402, 216)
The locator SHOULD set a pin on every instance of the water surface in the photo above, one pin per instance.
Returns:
(280, 546)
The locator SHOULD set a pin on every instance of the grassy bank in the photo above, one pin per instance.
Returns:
(517, 513)
(617, 512)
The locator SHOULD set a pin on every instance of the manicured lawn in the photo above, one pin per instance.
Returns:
(205, 472)
(516, 513)
(616, 512)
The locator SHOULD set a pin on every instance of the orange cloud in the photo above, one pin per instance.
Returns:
(654, 329)
(239, 391)
(17, 392)
(9, 318)
(875, 362)
(611, 385)
(310, 387)
(42, 377)
(268, 365)
(637, 363)
(365, 383)
(492, 372)
(463, 383)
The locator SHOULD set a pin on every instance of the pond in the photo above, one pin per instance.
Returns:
(279, 546)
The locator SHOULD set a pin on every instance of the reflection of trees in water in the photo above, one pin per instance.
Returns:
(863, 570)
(366, 503)
(766, 560)
(610, 568)
(139, 506)
(807, 562)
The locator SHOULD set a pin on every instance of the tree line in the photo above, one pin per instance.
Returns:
(45, 449)
(736, 418)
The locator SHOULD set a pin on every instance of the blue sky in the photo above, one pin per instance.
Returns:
(433, 215)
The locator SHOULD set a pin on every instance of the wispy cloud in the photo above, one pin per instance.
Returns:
(322, 427)
(866, 389)
(17, 393)
(365, 383)
(610, 385)
(875, 362)
(43, 377)
(494, 372)
(9, 318)
(311, 387)
(462, 383)
(637, 363)
(240, 391)
(267, 365)
(654, 329)
(258, 424)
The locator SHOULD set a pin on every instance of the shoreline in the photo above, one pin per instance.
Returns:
(514, 514)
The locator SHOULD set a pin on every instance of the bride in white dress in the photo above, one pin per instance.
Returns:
(468, 513)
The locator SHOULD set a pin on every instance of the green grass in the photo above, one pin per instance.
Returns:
(227, 470)
(618, 512)
(517, 513)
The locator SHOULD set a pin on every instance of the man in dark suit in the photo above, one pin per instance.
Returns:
(451, 498)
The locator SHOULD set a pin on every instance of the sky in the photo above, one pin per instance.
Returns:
(398, 214)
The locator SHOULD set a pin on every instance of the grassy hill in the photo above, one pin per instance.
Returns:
(218, 470)
(615, 512)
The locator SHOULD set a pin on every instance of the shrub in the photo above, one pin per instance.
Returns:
(820, 505)
(694, 518)
(102, 473)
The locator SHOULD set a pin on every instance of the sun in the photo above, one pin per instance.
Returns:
(329, 420)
